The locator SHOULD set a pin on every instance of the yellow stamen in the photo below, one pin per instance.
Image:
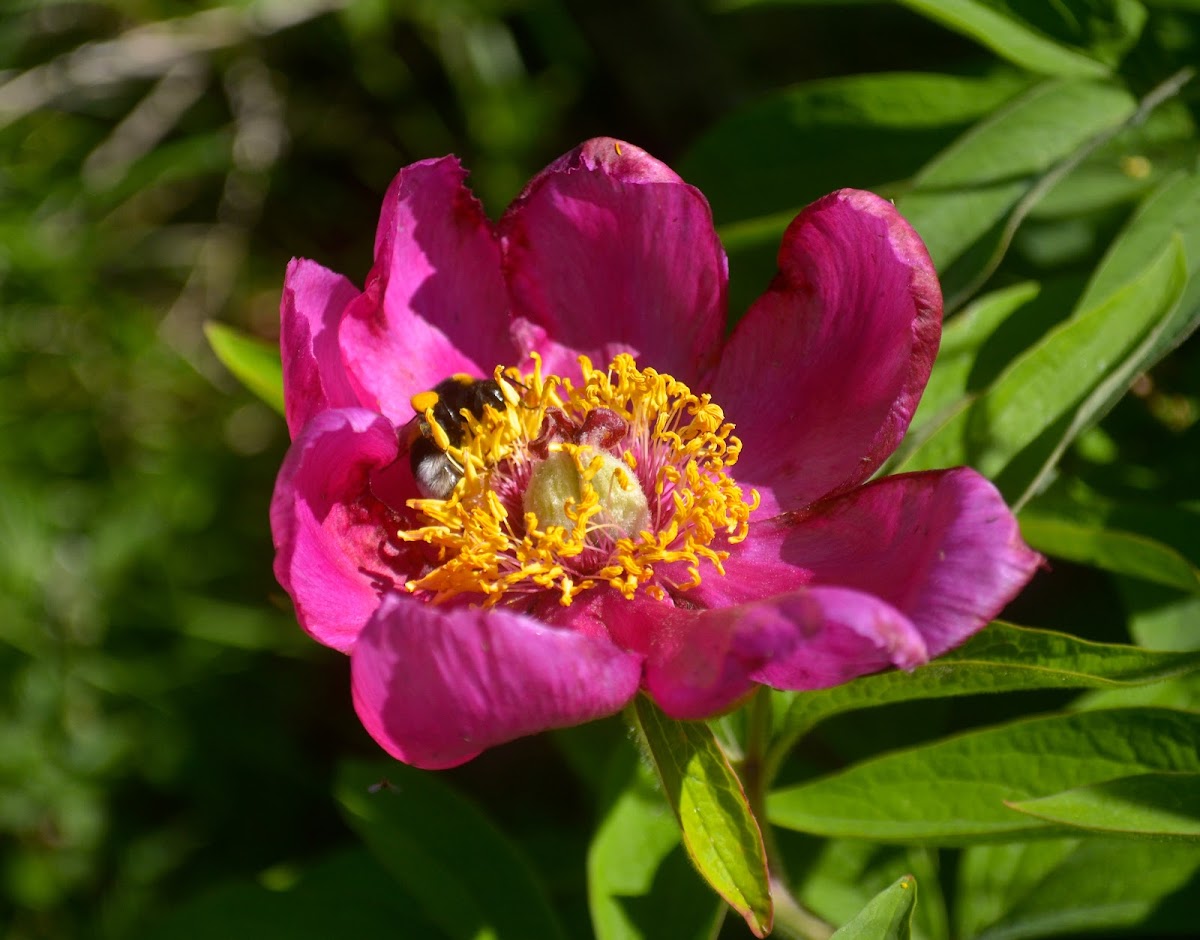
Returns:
(677, 447)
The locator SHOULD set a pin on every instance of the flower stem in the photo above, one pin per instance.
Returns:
(792, 920)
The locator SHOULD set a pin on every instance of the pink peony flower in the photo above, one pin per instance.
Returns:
(607, 526)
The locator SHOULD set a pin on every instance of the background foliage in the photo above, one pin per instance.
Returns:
(177, 760)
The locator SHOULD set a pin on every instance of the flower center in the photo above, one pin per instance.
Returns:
(620, 481)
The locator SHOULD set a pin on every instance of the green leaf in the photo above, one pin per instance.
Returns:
(1171, 212)
(1061, 886)
(1159, 617)
(964, 339)
(1176, 526)
(797, 144)
(1068, 37)
(253, 363)
(1053, 391)
(839, 877)
(887, 917)
(954, 792)
(1119, 552)
(962, 200)
(994, 878)
(978, 343)
(640, 883)
(720, 832)
(470, 881)
(1141, 157)
(1158, 806)
(1000, 658)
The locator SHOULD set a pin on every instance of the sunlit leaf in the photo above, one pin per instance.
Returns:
(1064, 886)
(1156, 806)
(956, 791)
(641, 885)
(253, 362)
(1050, 393)
(979, 342)
(797, 144)
(1171, 212)
(961, 201)
(840, 877)
(1001, 658)
(887, 917)
(1141, 157)
(1068, 37)
(720, 832)
(1111, 550)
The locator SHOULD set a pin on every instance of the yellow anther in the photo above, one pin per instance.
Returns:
(677, 450)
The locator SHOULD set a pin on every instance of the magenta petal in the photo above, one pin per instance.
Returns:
(435, 302)
(314, 378)
(698, 664)
(608, 250)
(329, 530)
(941, 547)
(436, 686)
(823, 374)
(843, 634)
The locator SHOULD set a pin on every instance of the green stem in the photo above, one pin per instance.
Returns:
(792, 920)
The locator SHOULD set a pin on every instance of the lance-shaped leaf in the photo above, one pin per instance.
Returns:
(720, 832)
(1001, 658)
(979, 343)
(1119, 552)
(955, 791)
(1067, 37)
(441, 848)
(793, 146)
(1155, 806)
(640, 884)
(887, 917)
(960, 201)
(1050, 887)
(253, 363)
(1051, 393)
(837, 878)
(1171, 211)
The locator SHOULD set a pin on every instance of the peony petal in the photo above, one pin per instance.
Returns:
(435, 302)
(314, 378)
(941, 547)
(843, 634)
(823, 374)
(436, 686)
(699, 663)
(330, 531)
(608, 250)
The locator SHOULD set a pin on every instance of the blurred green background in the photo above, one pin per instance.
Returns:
(167, 735)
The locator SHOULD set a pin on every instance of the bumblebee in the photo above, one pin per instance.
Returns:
(436, 472)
